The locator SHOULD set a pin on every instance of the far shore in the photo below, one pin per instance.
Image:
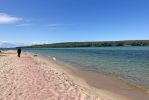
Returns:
(38, 77)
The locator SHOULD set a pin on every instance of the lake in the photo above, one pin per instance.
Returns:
(129, 63)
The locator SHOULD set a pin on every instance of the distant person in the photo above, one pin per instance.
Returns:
(19, 52)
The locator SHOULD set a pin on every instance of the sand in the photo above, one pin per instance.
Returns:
(113, 84)
(34, 78)
(104, 82)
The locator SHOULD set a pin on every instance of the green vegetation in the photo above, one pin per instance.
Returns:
(93, 44)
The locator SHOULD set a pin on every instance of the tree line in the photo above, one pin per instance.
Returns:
(93, 44)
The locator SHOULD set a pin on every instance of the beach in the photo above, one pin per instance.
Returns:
(33, 77)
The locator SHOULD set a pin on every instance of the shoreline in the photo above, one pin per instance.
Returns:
(81, 81)
(31, 77)
(75, 67)
(121, 87)
(88, 84)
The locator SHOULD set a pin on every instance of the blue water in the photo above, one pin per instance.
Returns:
(130, 63)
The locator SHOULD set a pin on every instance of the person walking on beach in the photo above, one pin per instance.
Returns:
(19, 52)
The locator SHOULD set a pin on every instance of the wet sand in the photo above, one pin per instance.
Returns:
(33, 78)
(113, 84)
(107, 83)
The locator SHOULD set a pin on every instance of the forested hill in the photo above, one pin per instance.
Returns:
(93, 44)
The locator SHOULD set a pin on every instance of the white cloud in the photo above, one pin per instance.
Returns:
(6, 44)
(38, 43)
(57, 26)
(7, 19)
(4, 41)
(26, 24)
(35, 43)
(54, 25)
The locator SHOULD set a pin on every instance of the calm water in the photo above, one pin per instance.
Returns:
(131, 63)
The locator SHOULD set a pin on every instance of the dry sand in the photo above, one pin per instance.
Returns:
(34, 78)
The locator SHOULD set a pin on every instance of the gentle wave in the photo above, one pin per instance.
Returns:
(129, 63)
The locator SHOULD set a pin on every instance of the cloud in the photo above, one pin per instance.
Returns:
(5, 44)
(33, 43)
(26, 24)
(56, 26)
(38, 43)
(7, 19)
(4, 41)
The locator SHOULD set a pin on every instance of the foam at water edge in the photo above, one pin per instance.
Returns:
(54, 58)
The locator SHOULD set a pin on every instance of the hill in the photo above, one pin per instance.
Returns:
(93, 44)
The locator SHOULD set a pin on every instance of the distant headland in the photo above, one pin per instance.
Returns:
(92, 44)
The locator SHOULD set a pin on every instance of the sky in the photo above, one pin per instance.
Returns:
(52, 21)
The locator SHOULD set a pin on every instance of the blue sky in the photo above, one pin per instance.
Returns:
(50, 21)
